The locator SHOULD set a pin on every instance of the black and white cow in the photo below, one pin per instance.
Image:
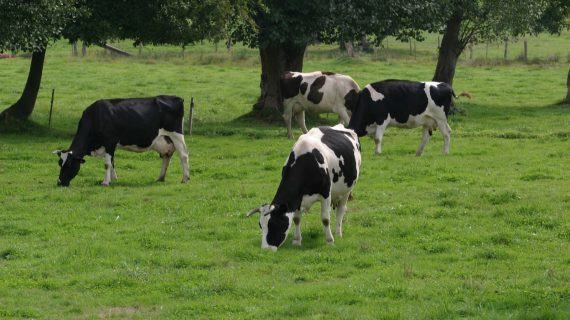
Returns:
(323, 166)
(404, 104)
(137, 124)
(317, 92)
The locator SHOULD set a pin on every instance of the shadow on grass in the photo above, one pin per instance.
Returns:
(31, 128)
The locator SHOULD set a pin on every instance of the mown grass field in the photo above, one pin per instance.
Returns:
(481, 233)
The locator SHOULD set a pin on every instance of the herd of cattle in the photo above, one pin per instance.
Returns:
(324, 164)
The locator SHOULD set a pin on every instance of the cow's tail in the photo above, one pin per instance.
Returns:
(462, 94)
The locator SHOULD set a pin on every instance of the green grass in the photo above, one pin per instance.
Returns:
(481, 233)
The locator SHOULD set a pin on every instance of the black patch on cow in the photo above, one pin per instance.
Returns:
(318, 156)
(351, 99)
(335, 175)
(290, 85)
(328, 73)
(302, 176)
(314, 95)
(277, 226)
(340, 143)
(442, 95)
(401, 99)
(303, 88)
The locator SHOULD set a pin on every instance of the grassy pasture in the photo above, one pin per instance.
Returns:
(481, 233)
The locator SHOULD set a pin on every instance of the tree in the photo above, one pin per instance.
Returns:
(568, 88)
(469, 21)
(282, 30)
(30, 26)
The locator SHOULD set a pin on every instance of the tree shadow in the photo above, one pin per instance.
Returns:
(31, 128)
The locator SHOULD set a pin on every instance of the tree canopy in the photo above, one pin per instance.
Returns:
(31, 25)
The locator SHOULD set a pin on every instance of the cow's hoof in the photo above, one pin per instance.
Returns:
(330, 242)
(160, 179)
(184, 180)
(105, 184)
(418, 154)
(297, 243)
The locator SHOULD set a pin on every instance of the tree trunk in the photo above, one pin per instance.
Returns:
(525, 50)
(450, 50)
(505, 54)
(275, 59)
(568, 88)
(74, 48)
(83, 50)
(23, 108)
(349, 49)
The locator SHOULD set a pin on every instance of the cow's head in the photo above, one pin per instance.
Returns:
(69, 164)
(274, 221)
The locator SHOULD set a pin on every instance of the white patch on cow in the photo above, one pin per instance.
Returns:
(374, 95)
(309, 200)
(371, 129)
(63, 156)
(427, 87)
(99, 152)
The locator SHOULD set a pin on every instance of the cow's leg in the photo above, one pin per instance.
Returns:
(378, 135)
(340, 211)
(326, 219)
(180, 146)
(425, 139)
(108, 169)
(300, 116)
(113, 172)
(344, 117)
(165, 162)
(287, 117)
(446, 132)
(297, 220)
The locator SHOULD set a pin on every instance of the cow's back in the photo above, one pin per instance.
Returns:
(135, 121)
(317, 90)
(335, 143)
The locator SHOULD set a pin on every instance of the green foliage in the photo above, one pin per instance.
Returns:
(32, 24)
(298, 23)
(490, 20)
(177, 22)
(350, 20)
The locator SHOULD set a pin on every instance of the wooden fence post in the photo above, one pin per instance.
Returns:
(525, 50)
(506, 49)
(51, 108)
(83, 50)
(74, 48)
(191, 116)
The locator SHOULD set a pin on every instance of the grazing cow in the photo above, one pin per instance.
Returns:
(404, 104)
(137, 124)
(323, 166)
(317, 92)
